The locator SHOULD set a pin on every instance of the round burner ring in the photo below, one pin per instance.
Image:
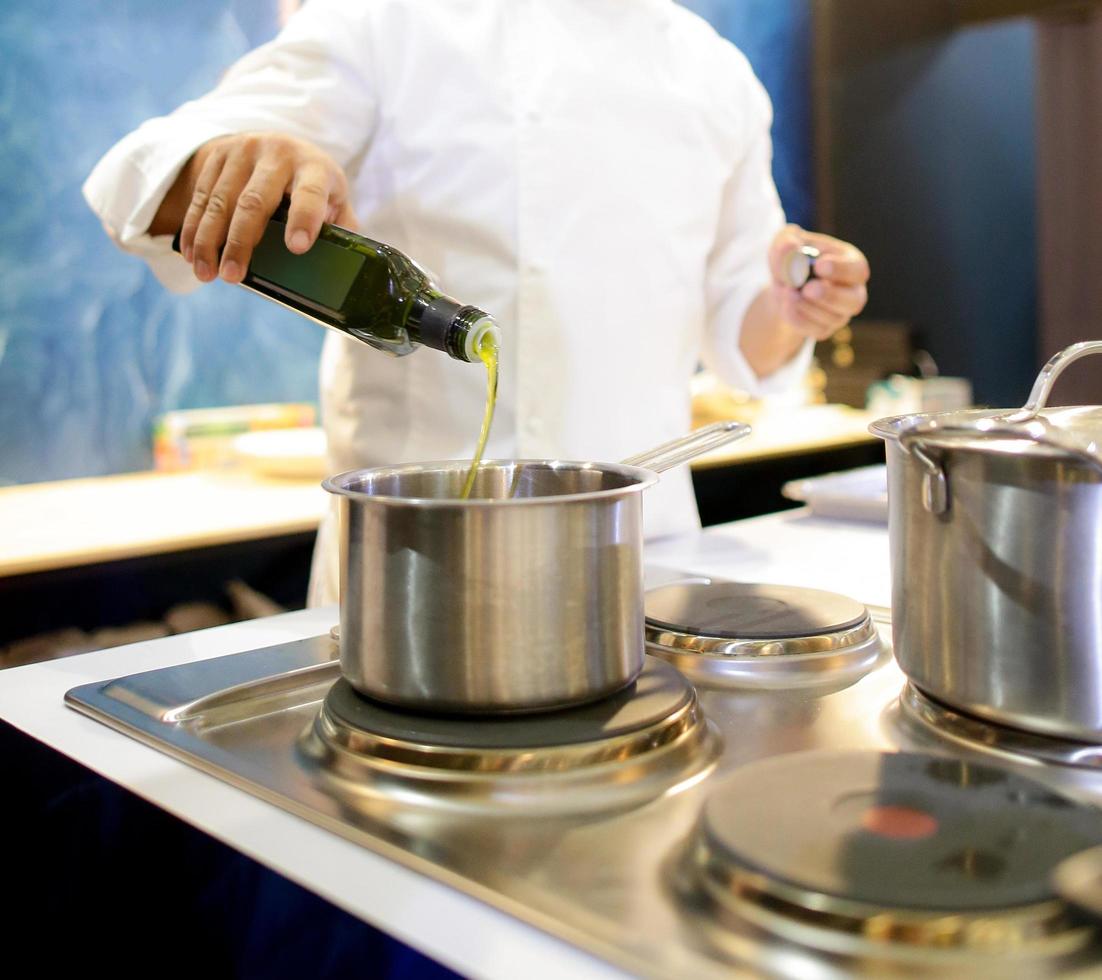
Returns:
(612, 754)
(905, 855)
(735, 634)
(974, 733)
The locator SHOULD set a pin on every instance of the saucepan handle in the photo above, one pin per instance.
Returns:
(681, 450)
(921, 441)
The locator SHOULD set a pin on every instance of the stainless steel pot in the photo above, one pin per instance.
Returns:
(995, 521)
(526, 597)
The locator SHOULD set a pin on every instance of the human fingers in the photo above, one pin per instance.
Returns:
(210, 236)
(255, 205)
(786, 241)
(313, 183)
(851, 269)
(343, 215)
(840, 261)
(814, 322)
(204, 184)
(843, 301)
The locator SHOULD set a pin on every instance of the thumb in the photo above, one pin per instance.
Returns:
(784, 242)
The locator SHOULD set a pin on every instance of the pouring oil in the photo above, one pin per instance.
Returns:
(488, 354)
(374, 293)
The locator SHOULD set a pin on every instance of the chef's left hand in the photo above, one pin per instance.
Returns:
(828, 302)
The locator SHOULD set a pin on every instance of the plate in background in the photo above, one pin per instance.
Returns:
(289, 453)
(860, 494)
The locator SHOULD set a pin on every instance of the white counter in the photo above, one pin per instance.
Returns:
(460, 932)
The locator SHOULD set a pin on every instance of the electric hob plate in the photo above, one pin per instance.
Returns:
(901, 854)
(598, 881)
(740, 634)
(619, 751)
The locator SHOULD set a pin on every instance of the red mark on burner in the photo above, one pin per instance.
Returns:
(898, 822)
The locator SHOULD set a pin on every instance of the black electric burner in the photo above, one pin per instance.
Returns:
(622, 750)
(658, 694)
(894, 850)
(745, 611)
(741, 634)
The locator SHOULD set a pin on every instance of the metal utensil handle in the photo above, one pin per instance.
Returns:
(681, 450)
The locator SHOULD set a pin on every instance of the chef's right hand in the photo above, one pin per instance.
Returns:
(231, 187)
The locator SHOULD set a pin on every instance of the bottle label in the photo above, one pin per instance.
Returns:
(323, 275)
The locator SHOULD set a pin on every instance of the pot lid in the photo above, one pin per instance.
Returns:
(1074, 431)
(1033, 430)
(1081, 421)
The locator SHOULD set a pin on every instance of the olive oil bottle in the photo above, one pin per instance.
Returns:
(366, 290)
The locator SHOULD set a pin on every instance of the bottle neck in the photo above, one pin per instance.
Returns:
(445, 325)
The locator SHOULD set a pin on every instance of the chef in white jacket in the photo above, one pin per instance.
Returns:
(595, 173)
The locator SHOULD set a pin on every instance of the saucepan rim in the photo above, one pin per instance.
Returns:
(642, 479)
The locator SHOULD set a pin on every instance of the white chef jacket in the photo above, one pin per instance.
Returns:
(594, 173)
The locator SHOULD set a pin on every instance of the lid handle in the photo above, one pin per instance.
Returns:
(1042, 387)
(1025, 423)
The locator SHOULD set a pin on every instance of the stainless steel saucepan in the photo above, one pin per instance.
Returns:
(995, 520)
(528, 596)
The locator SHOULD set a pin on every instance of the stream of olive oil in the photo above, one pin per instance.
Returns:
(487, 353)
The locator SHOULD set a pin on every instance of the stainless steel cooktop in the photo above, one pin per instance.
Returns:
(603, 827)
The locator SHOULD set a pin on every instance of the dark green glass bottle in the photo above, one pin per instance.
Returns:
(366, 290)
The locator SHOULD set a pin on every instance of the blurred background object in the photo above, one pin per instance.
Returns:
(202, 438)
(957, 143)
(1069, 91)
(902, 395)
(238, 602)
(859, 494)
(861, 354)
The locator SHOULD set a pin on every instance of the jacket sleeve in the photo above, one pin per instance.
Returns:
(738, 267)
(310, 82)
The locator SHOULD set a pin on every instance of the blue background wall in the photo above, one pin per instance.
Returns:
(91, 346)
